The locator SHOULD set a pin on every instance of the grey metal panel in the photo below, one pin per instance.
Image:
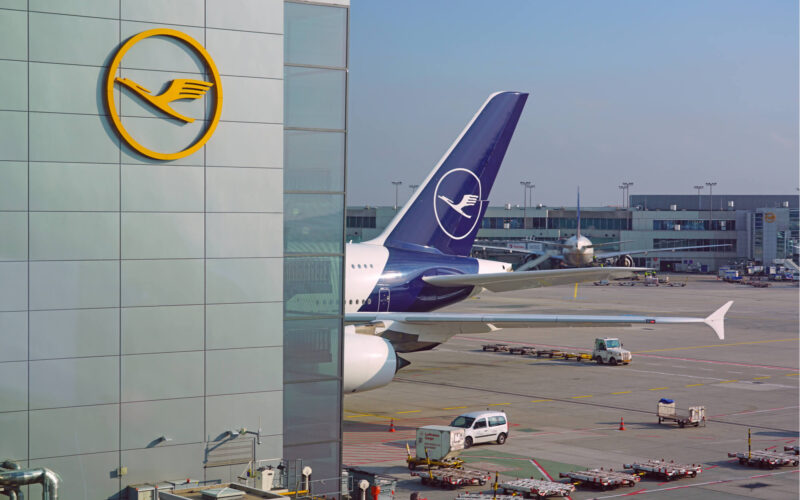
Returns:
(244, 235)
(14, 4)
(13, 134)
(14, 386)
(71, 431)
(181, 461)
(243, 53)
(178, 420)
(161, 53)
(66, 88)
(244, 280)
(164, 136)
(246, 145)
(244, 410)
(252, 99)
(71, 284)
(13, 235)
(162, 329)
(13, 185)
(162, 376)
(14, 444)
(14, 336)
(13, 34)
(231, 371)
(244, 325)
(13, 286)
(189, 12)
(162, 282)
(53, 39)
(72, 138)
(167, 188)
(162, 235)
(243, 190)
(249, 15)
(14, 82)
(94, 8)
(73, 333)
(86, 476)
(74, 186)
(74, 235)
(74, 382)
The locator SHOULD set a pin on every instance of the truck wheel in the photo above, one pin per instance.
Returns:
(411, 466)
(501, 439)
(681, 424)
(468, 442)
(612, 361)
(599, 360)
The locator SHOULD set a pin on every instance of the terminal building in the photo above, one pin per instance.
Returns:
(758, 228)
(171, 187)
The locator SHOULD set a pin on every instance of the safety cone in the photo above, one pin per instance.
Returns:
(621, 424)
(391, 426)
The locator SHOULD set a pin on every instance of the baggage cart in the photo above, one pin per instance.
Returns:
(437, 446)
(765, 459)
(536, 488)
(495, 347)
(602, 479)
(452, 478)
(663, 469)
(795, 449)
(667, 412)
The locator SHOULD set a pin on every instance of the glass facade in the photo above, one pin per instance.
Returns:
(694, 225)
(676, 242)
(589, 223)
(315, 100)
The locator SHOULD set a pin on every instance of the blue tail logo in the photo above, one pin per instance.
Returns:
(458, 218)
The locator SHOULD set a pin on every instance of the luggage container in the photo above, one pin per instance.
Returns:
(438, 446)
(667, 412)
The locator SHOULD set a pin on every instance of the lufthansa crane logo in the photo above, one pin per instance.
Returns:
(457, 203)
(178, 89)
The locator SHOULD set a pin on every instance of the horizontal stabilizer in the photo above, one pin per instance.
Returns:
(521, 280)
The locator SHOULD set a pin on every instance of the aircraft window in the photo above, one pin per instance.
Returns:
(370, 266)
(351, 301)
(369, 301)
(359, 266)
(353, 266)
(495, 421)
(480, 424)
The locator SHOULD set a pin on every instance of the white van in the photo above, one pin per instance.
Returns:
(482, 427)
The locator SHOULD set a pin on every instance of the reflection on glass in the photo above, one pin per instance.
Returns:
(315, 34)
(314, 98)
(313, 223)
(313, 161)
(312, 286)
(313, 347)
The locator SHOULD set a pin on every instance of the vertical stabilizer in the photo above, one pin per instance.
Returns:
(446, 210)
(578, 234)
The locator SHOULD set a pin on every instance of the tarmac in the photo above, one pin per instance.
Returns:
(565, 415)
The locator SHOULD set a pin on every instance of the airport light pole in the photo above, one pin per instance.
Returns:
(623, 195)
(396, 191)
(711, 195)
(627, 186)
(530, 195)
(525, 185)
(699, 200)
(413, 188)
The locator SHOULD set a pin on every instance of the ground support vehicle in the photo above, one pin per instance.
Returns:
(663, 469)
(765, 459)
(437, 446)
(414, 462)
(495, 347)
(602, 479)
(667, 412)
(485, 496)
(452, 478)
(558, 354)
(523, 350)
(609, 350)
(795, 449)
(536, 488)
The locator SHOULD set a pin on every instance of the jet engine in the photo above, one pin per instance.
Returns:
(370, 361)
(625, 261)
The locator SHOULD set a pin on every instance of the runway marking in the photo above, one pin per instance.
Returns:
(762, 378)
(577, 397)
(792, 374)
(454, 408)
(658, 389)
(716, 345)
(541, 469)
(693, 385)
(753, 411)
(622, 392)
(409, 411)
(674, 374)
(728, 381)
(540, 400)
(498, 404)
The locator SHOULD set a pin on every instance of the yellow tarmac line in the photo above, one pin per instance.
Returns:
(728, 381)
(409, 411)
(454, 408)
(762, 378)
(658, 389)
(577, 397)
(621, 392)
(498, 404)
(540, 400)
(693, 385)
(716, 345)
(792, 374)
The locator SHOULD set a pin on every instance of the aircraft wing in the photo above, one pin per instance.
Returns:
(438, 327)
(521, 280)
(608, 255)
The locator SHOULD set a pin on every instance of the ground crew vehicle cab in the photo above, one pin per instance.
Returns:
(482, 427)
(610, 351)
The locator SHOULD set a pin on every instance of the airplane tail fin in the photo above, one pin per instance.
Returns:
(578, 234)
(445, 212)
(716, 320)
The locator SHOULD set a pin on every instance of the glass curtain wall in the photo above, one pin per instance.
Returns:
(315, 100)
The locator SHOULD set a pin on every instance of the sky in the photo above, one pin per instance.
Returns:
(666, 95)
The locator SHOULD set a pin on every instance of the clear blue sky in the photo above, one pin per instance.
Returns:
(666, 94)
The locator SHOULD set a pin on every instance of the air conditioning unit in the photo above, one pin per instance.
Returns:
(677, 227)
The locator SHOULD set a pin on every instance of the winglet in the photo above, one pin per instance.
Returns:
(716, 320)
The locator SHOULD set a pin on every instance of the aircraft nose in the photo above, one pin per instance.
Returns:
(401, 363)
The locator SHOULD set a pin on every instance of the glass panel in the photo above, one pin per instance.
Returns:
(311, 349)
(324, 460)
(311, 412)
(313, 223)
(312, 286)
(314, 98)
(315, 34)
(313, 161)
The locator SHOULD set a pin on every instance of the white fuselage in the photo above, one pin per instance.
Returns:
(579, 253)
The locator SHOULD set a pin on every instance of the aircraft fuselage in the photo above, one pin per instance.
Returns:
(579, 253)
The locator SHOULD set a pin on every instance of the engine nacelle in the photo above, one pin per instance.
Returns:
(370, 361)
(625, 261)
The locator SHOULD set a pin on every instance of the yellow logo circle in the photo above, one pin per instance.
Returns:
(178, 89)
(769, 217)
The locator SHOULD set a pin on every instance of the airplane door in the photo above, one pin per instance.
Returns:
(383, 300)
